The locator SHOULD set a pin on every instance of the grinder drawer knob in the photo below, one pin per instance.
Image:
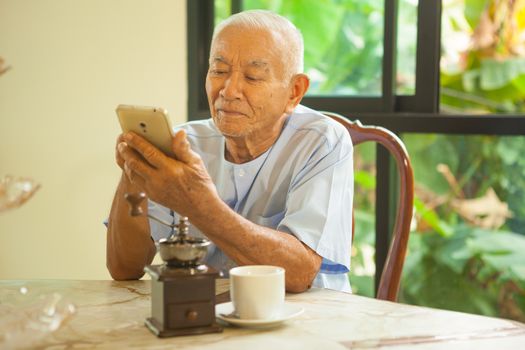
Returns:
(191, 315)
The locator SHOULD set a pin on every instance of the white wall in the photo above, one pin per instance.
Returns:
(72, 63)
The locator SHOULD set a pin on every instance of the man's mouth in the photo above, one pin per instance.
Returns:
(229, 113)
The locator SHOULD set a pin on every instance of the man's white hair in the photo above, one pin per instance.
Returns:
(293, 57)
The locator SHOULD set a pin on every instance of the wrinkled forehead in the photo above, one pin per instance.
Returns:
(248, 46)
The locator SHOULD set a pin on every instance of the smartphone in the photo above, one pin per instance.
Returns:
(152, 123)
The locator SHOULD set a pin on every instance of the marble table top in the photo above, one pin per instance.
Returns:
(110, 315)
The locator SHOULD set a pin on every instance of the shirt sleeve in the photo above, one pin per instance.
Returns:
(319, 205)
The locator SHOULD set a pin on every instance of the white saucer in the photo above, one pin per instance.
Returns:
(225, 312)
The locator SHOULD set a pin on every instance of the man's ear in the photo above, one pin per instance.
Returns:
(298, 87)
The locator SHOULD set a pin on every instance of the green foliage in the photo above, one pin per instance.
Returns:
(343, 42)
(450, 263)
(222, 10)
(432, 219)
(406, 48)
(362, 267)
(473, 270)
(473, 11)
(489, 77)
(511, 174)
(433, 152)
(456, 266)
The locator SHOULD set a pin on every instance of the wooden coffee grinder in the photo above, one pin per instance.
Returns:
(183, 288)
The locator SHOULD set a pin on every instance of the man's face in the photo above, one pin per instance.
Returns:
(247, 90)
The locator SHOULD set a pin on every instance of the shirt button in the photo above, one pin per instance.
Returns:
(241, 172)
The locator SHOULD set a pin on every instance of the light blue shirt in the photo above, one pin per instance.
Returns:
(302, 185)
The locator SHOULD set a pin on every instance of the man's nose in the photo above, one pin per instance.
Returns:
(232, 89)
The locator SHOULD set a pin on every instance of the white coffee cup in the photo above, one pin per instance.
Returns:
(257, 291)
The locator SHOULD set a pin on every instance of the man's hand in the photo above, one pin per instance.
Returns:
(182, 184)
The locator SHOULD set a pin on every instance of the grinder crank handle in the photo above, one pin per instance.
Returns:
(135, 200)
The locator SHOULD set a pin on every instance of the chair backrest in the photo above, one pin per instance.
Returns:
(391, 274)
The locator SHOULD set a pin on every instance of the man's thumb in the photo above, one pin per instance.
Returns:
(181, 148)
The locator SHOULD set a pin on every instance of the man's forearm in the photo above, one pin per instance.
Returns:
(247, 243)
(129, 245)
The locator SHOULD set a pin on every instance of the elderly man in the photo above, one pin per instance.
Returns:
(267, 180)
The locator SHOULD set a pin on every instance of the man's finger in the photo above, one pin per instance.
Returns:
(134, 161)
(133, 177)
(181, 148)
(118, 157)
(150, 153)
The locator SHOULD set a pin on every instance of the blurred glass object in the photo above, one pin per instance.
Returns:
(15, 191)
(3, 67)
(27, 319)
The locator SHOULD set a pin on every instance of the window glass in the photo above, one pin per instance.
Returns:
(406, 47)
(466, 249)
(222, 10)
(362, 270)
(343, 42)
(483, 56)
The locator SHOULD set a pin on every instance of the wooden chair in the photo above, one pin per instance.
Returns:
(391, 275)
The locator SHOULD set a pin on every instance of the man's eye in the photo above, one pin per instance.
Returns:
(251, 78)
(218, 72)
